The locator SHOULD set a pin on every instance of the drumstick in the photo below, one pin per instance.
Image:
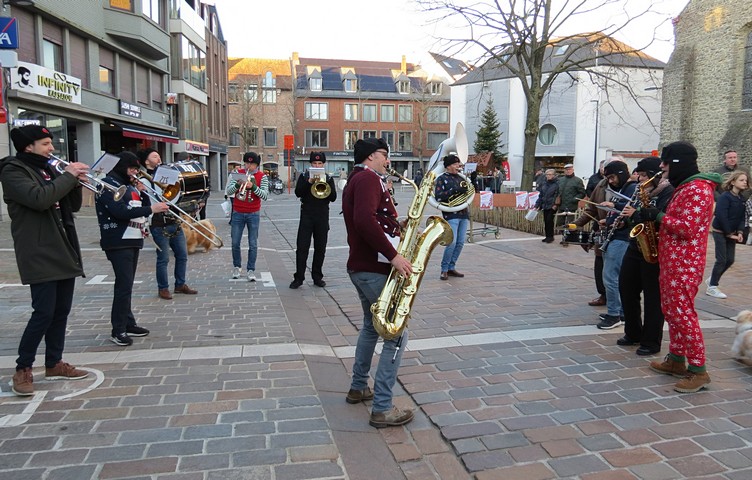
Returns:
(598, 205)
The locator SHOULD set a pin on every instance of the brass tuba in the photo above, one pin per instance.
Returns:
(457, 145)
(645, 233)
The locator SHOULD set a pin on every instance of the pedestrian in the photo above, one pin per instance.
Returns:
(571, 190)
(167, 234)
(41, 202)
(549, 192)
(682, 249)
(246, 206)
(451, 184)
(727, 228)
(314, 221)
(372, 233)
(122, 226)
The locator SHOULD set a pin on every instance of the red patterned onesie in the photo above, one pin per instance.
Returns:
(681, 253)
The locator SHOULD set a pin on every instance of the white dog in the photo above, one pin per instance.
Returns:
(742, 347)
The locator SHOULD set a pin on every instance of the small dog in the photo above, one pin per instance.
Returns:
(193, 239)
(742, 348)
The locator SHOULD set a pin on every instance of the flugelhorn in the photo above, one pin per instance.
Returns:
(95, 185)
(244, 187)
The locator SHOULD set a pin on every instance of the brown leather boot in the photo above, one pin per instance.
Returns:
(185, 289)
(693, 382)
(23, 382)
(669, 367)
(165, 293)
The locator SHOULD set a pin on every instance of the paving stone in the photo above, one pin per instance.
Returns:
(197, 463)
(105, 454)
(525, 472)
(577, 466)
(70, 473)
(150, 466)
(630, 457)
(468, 445)
(696, 466)
(454, 432)
(268, 456)
(562, 448)
(479, 461)
(599, 443)
(193, 447)
(307, 470)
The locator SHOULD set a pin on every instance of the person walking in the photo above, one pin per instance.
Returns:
(314, 221)
(246, 206)
(450, 184)
(727, 228)
(372, 233)
(41, 202)
(122, 226)
(167, 235)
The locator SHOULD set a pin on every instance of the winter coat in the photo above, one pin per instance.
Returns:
(570, 189)
(46, 247)
(549, 190)
(729, 213)
(122, 222)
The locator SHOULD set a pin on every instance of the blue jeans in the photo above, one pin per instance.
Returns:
(240, 222)
(369, 286)
(612, 259)
(170, 236)
(725, 254)
(453, 250)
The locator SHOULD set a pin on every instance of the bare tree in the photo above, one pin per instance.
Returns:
(531, 40)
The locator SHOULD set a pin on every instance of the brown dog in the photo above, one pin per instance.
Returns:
(193, 239)
(742, 348)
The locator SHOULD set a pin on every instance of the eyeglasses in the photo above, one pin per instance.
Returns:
(383, 152)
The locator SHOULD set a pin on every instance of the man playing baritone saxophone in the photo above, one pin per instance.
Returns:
(372, 234)
(638, 276)
(314, 220)
(449, 184)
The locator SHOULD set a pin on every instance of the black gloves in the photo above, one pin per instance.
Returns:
(649, 214)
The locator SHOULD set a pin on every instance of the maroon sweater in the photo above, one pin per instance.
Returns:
(369, 213)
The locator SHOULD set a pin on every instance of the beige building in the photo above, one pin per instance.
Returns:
(707, 86)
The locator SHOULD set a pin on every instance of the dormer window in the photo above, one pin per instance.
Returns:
(403, 86)
(351, 85)
(314, 84)
(435, 88)
(560, 50)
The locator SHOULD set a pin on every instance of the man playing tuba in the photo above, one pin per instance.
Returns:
(449, 185)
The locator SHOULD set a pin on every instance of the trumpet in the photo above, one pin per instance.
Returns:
(95, 185)
(244, 187)
(156, 196)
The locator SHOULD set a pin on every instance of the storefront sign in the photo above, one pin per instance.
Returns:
(8, 32)
(32, 78)
(197, 148)
(130, 110)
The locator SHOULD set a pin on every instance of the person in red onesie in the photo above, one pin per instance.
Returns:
(682, 247)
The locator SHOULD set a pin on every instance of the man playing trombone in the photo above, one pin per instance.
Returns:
(166, 232)
(41, 202)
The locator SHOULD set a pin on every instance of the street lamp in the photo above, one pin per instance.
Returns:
(595, 140)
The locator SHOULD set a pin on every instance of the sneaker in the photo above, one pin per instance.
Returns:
(122, 339)
(693, 382)
(64, 371)
(236, 272)
(295, 284)
(392, 418)
(610, 321)
(23, 382)
(714, 292)
(707, 282)
(669, 367)
(136, 331)
(357, 396)
(250, 275)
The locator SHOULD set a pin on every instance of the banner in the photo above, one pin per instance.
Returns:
(486, 200)
(520, 200)
(505, 167)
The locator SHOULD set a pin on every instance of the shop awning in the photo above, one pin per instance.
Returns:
(143, 133)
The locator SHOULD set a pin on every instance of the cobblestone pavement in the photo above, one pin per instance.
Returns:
(508, 373)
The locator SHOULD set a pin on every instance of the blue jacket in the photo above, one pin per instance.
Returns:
(729, 213)
(122, 222)
(549, 190)
(622, 229)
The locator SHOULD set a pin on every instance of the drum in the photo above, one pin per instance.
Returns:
(194, 182)
(575, 237)
(597, 237)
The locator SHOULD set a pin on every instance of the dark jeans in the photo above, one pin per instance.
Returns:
(316, 225)
(598, 274)
(638, 276)
(548, 222)
(124, 262)
(51, 303)
(725, 253)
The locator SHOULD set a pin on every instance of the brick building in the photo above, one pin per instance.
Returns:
(707, 86)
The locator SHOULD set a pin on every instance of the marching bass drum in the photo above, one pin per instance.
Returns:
(193, 181)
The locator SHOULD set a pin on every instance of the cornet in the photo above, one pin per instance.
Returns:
(95, 185)
(248, 178)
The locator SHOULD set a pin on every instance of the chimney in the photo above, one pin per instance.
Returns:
(295, 58)
(403, 68)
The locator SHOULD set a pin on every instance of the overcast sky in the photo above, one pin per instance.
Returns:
(383, 30)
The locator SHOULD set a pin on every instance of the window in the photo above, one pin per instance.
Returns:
(388, 137)
(317, 139)
(387, 113)
(251, 136)
(351, 85)
(547, 134)
(250, 92)
(316, 111)
(194, 120)
(438, 115)
(351, 136)
(747, 82)
(106, 77)
(126, 5)
(435, 139)
(351, 111)
(369, 134)
(193, 62)
(405, 113)
(405, 143)
(234, 136)
(52, 55)
(403, 86)
(150, 8)
(369, 112)
(270, 137)
(314, 84)
(560, 50)
(435, 88)
(269, 88)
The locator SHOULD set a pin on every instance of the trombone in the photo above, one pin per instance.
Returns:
(155, 195)
(169, 192)
(96, 185)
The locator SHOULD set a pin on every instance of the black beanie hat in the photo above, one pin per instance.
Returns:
(251, 157)
(127, 160)
(681, 158)
(144, 154)
(618, 168)
(363, 148)
(317, 157)
(451, 159)
(28, 134)
(649, 165)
